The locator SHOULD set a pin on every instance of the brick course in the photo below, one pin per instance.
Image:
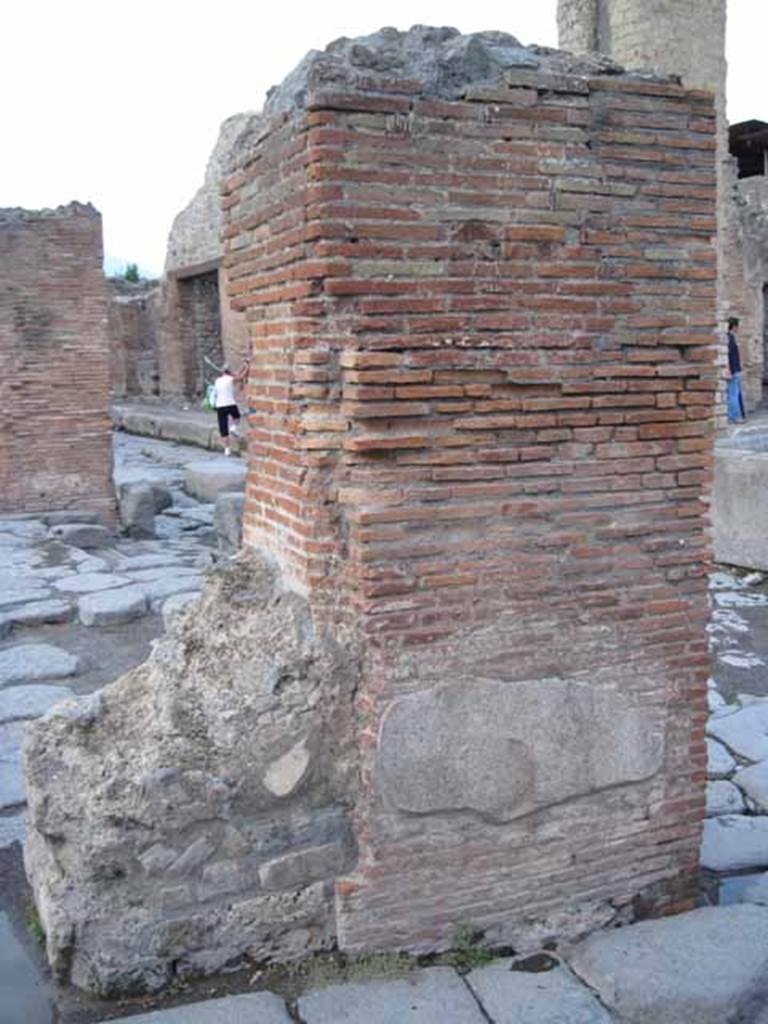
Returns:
(483, 382)
(56, 450)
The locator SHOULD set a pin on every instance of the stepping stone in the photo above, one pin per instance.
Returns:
(433, 996)
(89, 582)
(24, 995)
(734, 842)
(111, 607)
(82, 535)
(536, 996)
(26, 663)
(251, 1008)
(754, 782)
(37, 613)
(705, 967)
(13, 829)
(719, 761)
(745, 732)
(206, 480)
(30, 701)
(11, 778)
(177, 603)
(723, 798)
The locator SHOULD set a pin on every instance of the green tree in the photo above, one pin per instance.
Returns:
(132, 273)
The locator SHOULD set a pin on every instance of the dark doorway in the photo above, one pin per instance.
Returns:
(200, 328)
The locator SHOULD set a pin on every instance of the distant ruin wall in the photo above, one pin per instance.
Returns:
(133, 314)
(56, 449)
(459, 674)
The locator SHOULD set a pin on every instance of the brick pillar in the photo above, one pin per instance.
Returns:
(56, 447)
(484, 366)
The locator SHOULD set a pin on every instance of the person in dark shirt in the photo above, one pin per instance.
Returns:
(735, 397)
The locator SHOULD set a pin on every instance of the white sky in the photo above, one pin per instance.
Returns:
(119, 103)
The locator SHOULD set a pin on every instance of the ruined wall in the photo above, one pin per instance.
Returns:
(133, 315)
(472, 631)
(56, 449)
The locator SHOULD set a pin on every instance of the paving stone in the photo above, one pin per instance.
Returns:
(134, 563)
(252, 1008)
(13, 829)
(11, 778)
(433, 996)
(535, 996)
(89, 582)
(745, 732)
(38, 613)
(82, 535)
(177, 603)
(31, 529)
(734, 842)
(719, 761)
(757, 890)
(70, 516)
(754, 782)
(705, 967)
(112, 607)
(24, 999)
(732, 889)
(206, 479)
(21, 590)
(25, 663)
(158, 590)
(30, 701)
(723, 798)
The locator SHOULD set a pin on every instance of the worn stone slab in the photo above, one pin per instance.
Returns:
(15, 591)
(82, 535)
(552, 996)
(723, 798)
(89, 582)
(11, 777)
(731, 888)
(709, 966)
(13, 828)
(206, 480)
(757, 890)
(26, 663)
(24, 999)
(18, 702)
(754, 782)
(734, 842)
(38, 613)
(433, 996)
(111, 607)
(745, 732)
(719, 761)
(251, 1008)
(70, 516)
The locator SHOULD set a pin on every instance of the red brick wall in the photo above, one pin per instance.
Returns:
(56, 450)
(484, 367)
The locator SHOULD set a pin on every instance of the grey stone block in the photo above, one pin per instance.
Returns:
(228, 521)
(82, 535)
(709, 966)
(719, 761)
(70, 516)
(26, 663)
(754, 782)
(89, 582)
(196, 854)
(38, 613)
(163, 497)
(433, 996)
(733, 842)
(745, 732)
(112, 607)
(251, 1008)
(206, 480)
(296, 869)
(23, 996)
(552, 996)
(723, 798)
(137, 509)
(18, 702)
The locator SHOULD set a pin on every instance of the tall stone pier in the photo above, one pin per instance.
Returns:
(458, 677)
(56, 445)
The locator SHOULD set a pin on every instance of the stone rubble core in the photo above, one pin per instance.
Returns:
(54, 351)
(480, 290)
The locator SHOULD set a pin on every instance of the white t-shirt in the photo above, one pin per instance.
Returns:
(224, 391)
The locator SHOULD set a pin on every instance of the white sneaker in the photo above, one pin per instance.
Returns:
(227, 451)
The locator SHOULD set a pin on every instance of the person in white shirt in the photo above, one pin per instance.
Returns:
(225, 405)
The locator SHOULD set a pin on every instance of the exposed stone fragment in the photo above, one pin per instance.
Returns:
(285, 774)
(25, 663)
(665, 970)
(723, 798)
(309, 865)
(735, 841)
(110, 607)
(82, 535)
(137, 509)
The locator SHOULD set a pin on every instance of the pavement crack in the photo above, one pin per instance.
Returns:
(486, 1016)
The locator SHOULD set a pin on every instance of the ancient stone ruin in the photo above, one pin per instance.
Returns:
(458, 675)
(56, 450)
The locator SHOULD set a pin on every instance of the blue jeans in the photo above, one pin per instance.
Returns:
(735, 398)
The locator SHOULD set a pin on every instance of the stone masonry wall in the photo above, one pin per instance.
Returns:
(484, 345)
(133, 313)
(56, 449)
(458, 675)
